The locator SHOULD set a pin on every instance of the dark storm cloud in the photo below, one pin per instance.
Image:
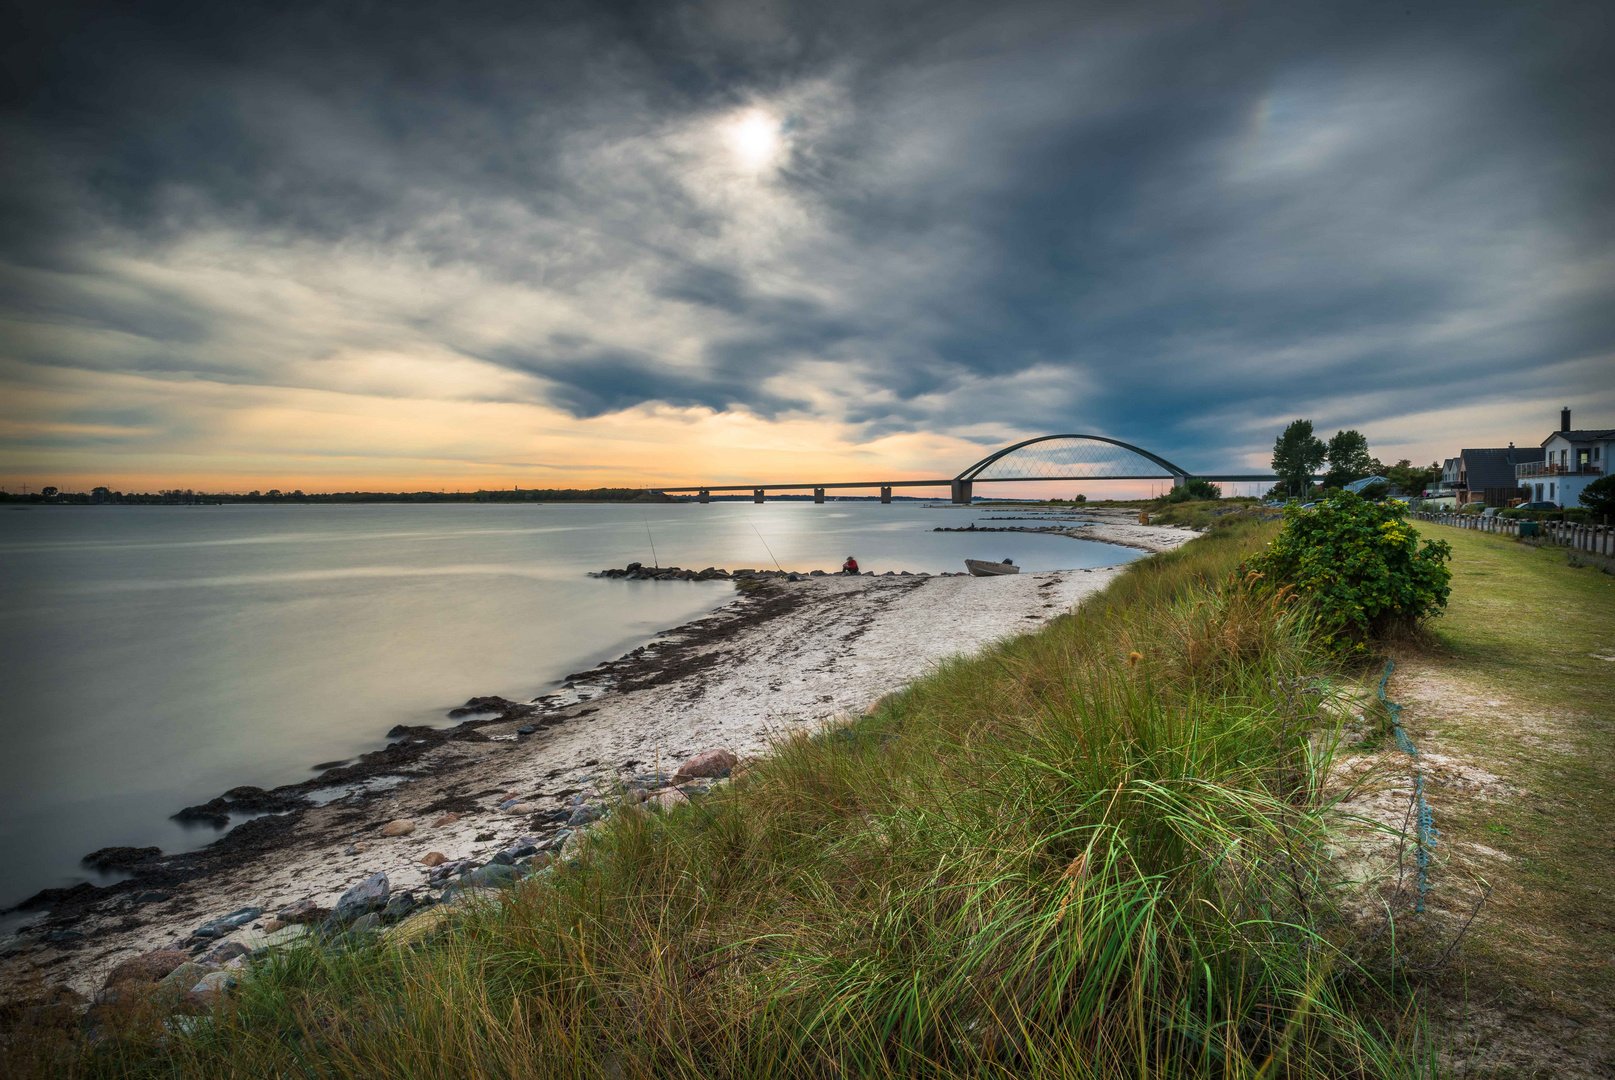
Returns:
(1114, 217)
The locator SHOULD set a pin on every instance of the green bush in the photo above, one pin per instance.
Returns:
(1195, 491)
(1359, 564)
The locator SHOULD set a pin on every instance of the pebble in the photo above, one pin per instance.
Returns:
(522, 808)
(357, 849)
(446, 819)
(526, 729)
(707, 763)
(61, 937)
(150, 897)
(400, 827)
(223, 926)
(369, 894)
(434, 858)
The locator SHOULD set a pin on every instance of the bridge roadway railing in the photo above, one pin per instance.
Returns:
(962, 491)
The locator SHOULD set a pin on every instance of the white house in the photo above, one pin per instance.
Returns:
(1571, 460)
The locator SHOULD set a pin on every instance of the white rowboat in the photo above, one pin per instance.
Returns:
(979, 568)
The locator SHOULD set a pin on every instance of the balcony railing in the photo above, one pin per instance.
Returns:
(1538, 468)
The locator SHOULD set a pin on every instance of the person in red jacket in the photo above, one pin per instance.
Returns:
(850, 566)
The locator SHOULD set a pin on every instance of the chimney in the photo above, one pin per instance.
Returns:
(1564, 419)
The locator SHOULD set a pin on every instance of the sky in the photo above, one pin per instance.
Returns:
(425, 245)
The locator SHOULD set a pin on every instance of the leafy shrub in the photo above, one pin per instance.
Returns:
(1599, 496)
(1359, 564)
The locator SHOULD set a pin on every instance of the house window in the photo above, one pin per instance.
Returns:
(1551, 496)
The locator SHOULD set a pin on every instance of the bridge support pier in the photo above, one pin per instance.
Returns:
(962, 492)
(818, 495)
(705, 496)
(885, 494)
(756, 495)
(1179, 481)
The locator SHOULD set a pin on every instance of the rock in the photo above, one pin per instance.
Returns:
(522, 808)
(301, 911)
(522, 848)
(216, 982)
(120, 858)
(399, 906)
(434, 858)
(400, 827)
(707, 763)
(508, 803)
(368, 895)
(419, 926)
(365, 923)
(503, 858)
(491, 876)
(147, 968)
(583, 815)
(61, 937)
(271, 925)
(226, 952)
(526, 729)
(667, 798)
(446, 819)
(151, 896)
(185, 976)
(223, 926)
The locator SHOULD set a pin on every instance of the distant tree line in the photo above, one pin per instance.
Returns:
(187, 496)
(1298, 455)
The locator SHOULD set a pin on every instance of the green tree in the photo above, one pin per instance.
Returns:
(1599, 496)
(1409, 479)
(1297, 453)
(1348, 459)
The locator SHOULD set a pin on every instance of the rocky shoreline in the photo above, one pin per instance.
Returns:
(439, 811)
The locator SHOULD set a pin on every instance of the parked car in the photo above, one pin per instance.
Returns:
(1539, 506)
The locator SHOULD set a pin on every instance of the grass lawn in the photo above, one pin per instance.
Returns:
(1518, 682)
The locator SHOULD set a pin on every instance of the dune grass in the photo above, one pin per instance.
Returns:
(1094, 851)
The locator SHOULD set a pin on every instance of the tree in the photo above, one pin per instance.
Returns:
(1297, 453)
(1348, 459)
(1599, 496)
(1409, 479)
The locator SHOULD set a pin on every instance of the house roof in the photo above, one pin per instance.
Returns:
(1582, 435)
(1494, 466)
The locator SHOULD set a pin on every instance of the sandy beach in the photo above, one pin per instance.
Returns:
(782, 656)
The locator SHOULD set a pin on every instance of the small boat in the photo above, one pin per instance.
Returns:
(979, 568)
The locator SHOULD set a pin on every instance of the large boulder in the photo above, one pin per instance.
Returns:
(367, 896)
(707, 763)
(147, 968)
(227, 924)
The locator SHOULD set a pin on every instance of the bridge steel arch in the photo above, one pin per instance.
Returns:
(966, 480)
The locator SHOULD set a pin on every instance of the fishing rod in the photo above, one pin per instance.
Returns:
(766, 548)
(654, 560)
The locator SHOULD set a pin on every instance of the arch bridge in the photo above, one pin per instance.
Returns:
(1047, 457)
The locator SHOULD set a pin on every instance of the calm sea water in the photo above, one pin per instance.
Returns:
(153, 657)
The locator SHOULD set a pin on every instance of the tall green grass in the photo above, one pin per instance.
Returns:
(1095, 851)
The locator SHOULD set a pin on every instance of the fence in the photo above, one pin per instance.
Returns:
(1598, 539)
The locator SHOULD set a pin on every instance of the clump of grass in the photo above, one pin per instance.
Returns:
(1092, 851)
